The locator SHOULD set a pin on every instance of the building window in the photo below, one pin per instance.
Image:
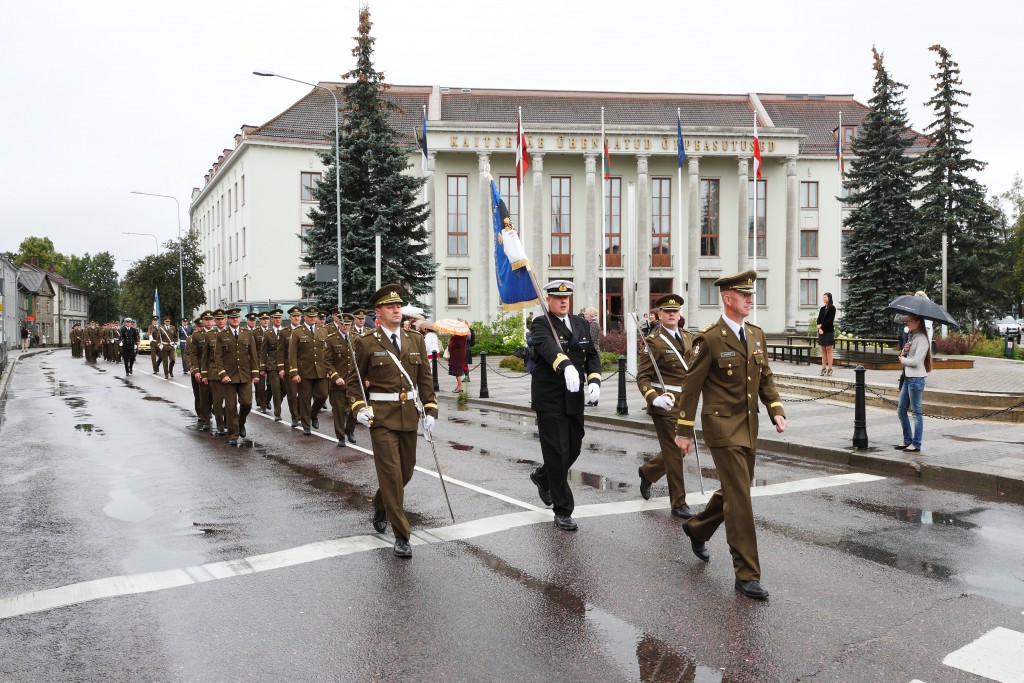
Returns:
(510, 193)
(808, 292)
(809, 244)
(303, 245)
(243, 190)
(458, 291)
(243, 240)
(708, 292)
(230, 252)
(849, 133)
(809, 195)
(661, 222)
(762, 284)
(709, 218)
(236, 196)
(309, 182)
(561, 221)
(659, 287)
(458, 215)
(613, 223)
(229, 201)
(846, 235)
(231, 291)
(762, 208)
(236, 246)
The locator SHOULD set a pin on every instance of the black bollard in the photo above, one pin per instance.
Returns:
(484, 393)
(622, 408)
(433, 367)
(860, 421)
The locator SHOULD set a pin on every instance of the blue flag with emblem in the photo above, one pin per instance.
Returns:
(511, 267)
(156, 302)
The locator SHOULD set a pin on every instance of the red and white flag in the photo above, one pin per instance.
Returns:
(757, 152)
(522, 156)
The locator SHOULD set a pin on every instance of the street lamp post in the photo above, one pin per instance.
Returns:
(181, 263)
(337, 161)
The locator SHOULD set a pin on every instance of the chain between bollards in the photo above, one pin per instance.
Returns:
(860, 420)
(484, 393)
(622, 408)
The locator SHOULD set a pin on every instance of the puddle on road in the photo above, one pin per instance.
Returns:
(975, 439)
(127, 507)
(467, 448)
(598, 481)
(74, 402)
(88, 428)
(914, 515)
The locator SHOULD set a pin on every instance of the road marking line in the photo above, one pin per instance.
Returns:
(997, 655)
(52, 598)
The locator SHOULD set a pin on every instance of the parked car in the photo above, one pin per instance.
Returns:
(1004, 326)
(144, 342)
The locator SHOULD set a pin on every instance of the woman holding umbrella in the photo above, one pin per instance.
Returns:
(826, 332)
(916, 358)
(457, 360)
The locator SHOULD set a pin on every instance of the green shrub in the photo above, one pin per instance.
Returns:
(812, 326)
(988, 348)
(514, 363)
(957, 343)
(609, 362)
(502, 337)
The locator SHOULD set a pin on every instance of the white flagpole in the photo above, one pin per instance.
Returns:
(757, 169)
(603, 303)
(678, 251)
(519, 178)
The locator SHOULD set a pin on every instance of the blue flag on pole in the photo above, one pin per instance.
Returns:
(681, 151)
(511, 267)
(156, 302)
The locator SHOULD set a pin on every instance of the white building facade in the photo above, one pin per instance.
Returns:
(664, 228)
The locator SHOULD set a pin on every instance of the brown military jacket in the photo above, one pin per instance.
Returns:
(154, 338)
(339, 355)
(206, 359)
(307, 354)
(731, 378)
(168, 335)
(195, 350)
(93, 337)
(257, 335)
(76, 334)
(268, 352)
(671, 359)
(396, 412)
(282, 347)
(234, 357)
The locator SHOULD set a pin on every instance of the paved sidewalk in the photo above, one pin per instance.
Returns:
(980, 455)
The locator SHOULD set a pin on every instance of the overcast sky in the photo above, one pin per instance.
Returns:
(107, 96)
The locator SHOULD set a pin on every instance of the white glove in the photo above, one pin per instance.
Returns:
(665, 401)
(572, 379)
(363, 417)
(428, 423)
(120, 343)
(594, 392)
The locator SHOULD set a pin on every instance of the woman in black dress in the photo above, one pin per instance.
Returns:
(826, 333)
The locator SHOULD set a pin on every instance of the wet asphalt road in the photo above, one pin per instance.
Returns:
(104, 476)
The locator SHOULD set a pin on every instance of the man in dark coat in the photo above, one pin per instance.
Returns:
(129, 345)
(568, 366)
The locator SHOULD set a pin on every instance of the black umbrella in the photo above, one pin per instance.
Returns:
(921, 307)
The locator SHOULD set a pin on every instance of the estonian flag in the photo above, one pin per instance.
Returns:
(423, 146)
(156, 302)
(511, 267)
(680, 150)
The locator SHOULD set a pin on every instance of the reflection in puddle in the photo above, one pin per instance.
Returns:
(75, 402)
(973, 439)
(127, 507)
(597, 481)
(467, 448)
(918, 516)
(88, 428)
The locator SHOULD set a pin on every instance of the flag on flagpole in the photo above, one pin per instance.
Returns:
(511, 267)
(757, 152)
(839, 146)
(522, 156)
(607, 162)
(156, 302)
(423, 143)
(681, 151)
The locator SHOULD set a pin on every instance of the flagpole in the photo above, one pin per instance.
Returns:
(519, 181)
(757, 173)
(603, 303)
(679, 213)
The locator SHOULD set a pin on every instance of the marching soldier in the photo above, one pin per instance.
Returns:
(309, 369)
(670, 346)
(216, 388)
(115, 342)
(568, 366)
(76, 340)
(290, 387)
(129, 345)
(359, 322)
(730, 370)
(236, 368)
(168, 346)
(154, 344)
(93, 342)
(195, 350)
(340, 358)
(271, 340)
(258, 332)
(394, 365)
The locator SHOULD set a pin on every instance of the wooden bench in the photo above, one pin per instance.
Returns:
(797, 353)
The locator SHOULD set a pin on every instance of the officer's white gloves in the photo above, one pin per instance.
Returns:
(428, 423)
(120, 343)
(572, 379)
(665, 401)
(363, 417)
(594, 392)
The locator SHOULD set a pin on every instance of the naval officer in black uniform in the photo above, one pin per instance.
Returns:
(566, 376)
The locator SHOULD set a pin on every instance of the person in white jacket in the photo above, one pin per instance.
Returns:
(916, 359)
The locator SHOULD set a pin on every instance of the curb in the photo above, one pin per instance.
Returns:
(988, 483)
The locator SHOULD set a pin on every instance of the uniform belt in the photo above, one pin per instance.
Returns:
(667, 387)
(400, 396)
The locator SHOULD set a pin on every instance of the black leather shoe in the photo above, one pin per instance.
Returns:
(752, 589)
(351, 436)
(222, 432)
(542, 488)
(277, 418)
(645, 486)
(206, 426)
(698, 547)
(315, 422)
(341, 443)
(241, 431)
(685, 512)
(306, 432)
(233, 442)
(567, 523)
(380, 520)
(263, 409)
(402, 547)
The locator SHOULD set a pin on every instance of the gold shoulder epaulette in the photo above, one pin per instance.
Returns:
(748, 324)
(707, 328)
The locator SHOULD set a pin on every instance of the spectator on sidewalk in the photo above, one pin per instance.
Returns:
(916, 358)
(457, 365)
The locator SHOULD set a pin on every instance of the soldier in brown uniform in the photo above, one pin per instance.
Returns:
(92, 340)
(291, 388)
(76, 340)
(670, 346)
(340, 356)
(236, 367)
(217, 391)
(168, 335)
(359, 323)
(268, 360)
(258, 332)
(154, 343)
(115, 342)
(195, 351)
(309, 369)
(730, 370)
(393, 363)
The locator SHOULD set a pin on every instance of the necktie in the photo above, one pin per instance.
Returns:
(394, 341)
(743, 338)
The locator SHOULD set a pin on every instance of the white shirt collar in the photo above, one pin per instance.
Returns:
(734, 326)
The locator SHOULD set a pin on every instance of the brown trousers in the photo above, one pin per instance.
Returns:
(237, 404)
(204, 398)
(218, 394)
(344, 419)
(394, 456)
(731, 504)
(668, 461)
(274, 391)
(291, 390)
(155, 355)
(312, 397)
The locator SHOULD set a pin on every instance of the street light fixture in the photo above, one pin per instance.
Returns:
(156, 243)
(181, 263)
(337, 160)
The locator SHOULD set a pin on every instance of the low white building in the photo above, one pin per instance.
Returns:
(10, 327)
(667, 228)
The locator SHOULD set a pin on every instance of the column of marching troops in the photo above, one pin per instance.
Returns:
(381, 378)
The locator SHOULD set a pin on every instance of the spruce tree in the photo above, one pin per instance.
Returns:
(882, 258)
(376, 196)
(953, 203)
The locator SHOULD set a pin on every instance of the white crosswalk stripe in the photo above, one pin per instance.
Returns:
(998, 655)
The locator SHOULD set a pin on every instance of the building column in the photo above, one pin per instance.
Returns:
(743, 253)
(431, 203)
(482, 279)
(693, 271)
(537, 236)
(593, 236)
(643, 235)
(792, 246)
